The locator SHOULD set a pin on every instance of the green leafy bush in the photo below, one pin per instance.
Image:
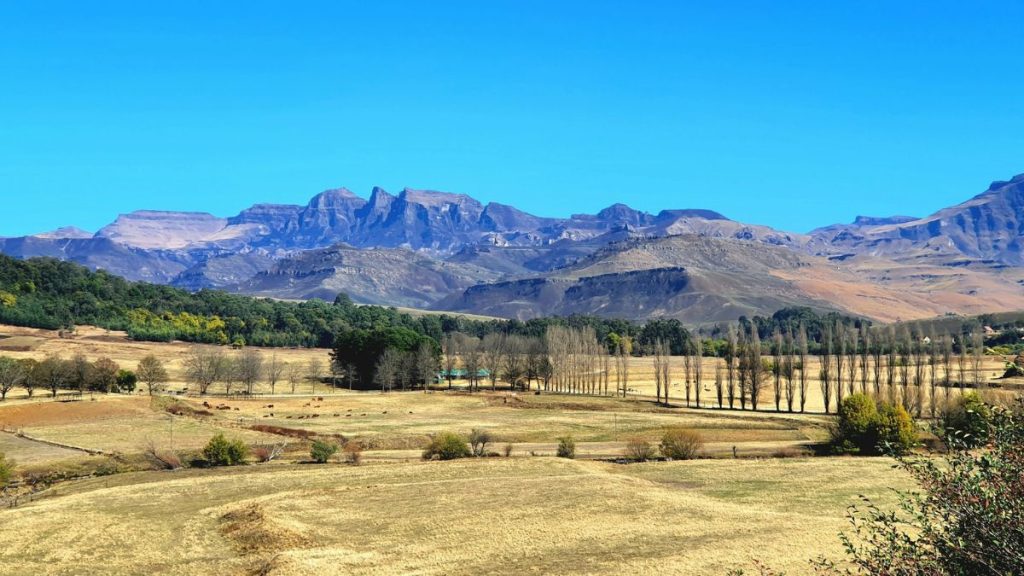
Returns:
(566, 447)
(446, 446)
(220, 451)
(680, 444)
(322, 451)
(870, 428)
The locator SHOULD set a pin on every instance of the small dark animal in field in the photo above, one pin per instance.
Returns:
(348, 415)
(349, 410)
(271, 414)
(236, 409)
(336, 414)
(410, 411)
(269, 406)
(319, 398)
(206, 404)
(384, 412)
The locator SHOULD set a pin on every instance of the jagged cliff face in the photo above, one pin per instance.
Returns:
(425, 248)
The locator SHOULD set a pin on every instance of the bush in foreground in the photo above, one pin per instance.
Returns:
(566, 447)
(220, 451)
(967, 519)
(446, 446)
(870, 428)
(680, 444)
(321, 451)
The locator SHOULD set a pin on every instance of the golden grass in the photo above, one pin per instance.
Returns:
(490, 516)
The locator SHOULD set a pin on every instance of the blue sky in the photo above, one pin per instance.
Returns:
(792, 114)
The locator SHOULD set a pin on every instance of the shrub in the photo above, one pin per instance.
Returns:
(446, 446)
(869, 428)
(126, 381)
(6, 470)
(353, 452)
(680, 444)
(566, 447)
(855, 433)
(895, 429)
(638, 449)
(965, 519)
(322, 451)
(508, 450)
(966, 421)
(478, 440)
(220, 451)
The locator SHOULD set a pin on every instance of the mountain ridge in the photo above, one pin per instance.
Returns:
(436, 248)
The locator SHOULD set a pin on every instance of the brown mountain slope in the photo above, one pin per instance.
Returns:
(700, 279)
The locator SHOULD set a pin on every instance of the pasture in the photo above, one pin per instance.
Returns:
(755, 493)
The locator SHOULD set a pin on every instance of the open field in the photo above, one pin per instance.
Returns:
(755, 494)
(492, 516)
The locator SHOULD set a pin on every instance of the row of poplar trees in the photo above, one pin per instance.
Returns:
(896, 365)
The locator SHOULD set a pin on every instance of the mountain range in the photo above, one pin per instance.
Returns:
(446, 251)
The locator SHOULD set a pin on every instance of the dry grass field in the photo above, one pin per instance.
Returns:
(490, 516)
(530, 513)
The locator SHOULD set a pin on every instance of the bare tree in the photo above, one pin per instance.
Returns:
(469, 347)
(826, 368)
(865, 355)
(513, 359)
(787, 371)
(719, 386)
(275, 371)
(977, 359)
(891, 363)
(536, 357)
(840, 356)
(296, 372)
(851, 361)
(426, 364)
(731, 353)
(450, 356)
(389, 368)
(658, 360)
(12, 375)
(151, 371)
(204, 365)
(777, 368)
(933, 377)
(756, 368)
(876, 354)
(698, 369)
(622, 366)
(802, 348)
(904, 370)
(314, 372)
(249, 369)
(492, 351)
(947, 364)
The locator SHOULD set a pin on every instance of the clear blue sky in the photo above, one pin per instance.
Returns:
(792, 114)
